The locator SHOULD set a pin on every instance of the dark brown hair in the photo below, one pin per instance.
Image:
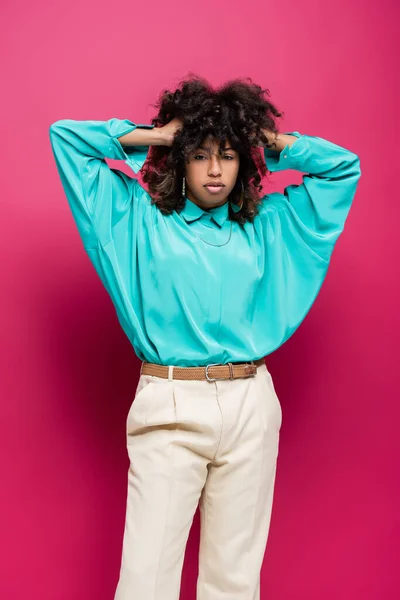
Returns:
(235, 112)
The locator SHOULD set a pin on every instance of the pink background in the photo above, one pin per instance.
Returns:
(68, 372)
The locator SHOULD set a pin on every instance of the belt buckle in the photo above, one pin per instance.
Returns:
(218, 378)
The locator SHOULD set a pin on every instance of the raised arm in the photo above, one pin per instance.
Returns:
(315, 211)
(98, 195)
(301, 226)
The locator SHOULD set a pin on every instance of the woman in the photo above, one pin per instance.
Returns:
(207, 277)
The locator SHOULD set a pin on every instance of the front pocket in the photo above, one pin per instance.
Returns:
(137, 412)
(275, 397)
(270, 406)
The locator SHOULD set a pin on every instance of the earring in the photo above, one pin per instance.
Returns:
(183, 187)
(241, 196)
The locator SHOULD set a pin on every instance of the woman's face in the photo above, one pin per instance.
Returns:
(206, 165)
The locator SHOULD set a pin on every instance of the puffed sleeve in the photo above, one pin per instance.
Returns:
(98, 195)
(300, 228)
(314, 212)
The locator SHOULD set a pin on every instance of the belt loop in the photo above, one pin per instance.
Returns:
(230, 370)
(170, 372)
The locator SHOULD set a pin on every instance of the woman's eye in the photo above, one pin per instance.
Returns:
(226, 156)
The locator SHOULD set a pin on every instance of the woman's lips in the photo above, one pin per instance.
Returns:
(214, 189)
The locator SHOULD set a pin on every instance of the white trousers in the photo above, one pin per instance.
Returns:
(212, 444)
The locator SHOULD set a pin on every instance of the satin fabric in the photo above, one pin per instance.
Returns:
(179, 300)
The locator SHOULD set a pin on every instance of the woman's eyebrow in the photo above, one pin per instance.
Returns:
(225, 149)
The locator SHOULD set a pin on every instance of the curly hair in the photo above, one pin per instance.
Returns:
(236, 111)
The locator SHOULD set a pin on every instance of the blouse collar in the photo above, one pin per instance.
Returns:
(192, 211)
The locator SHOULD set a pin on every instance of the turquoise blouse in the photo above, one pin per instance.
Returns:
(180, 300)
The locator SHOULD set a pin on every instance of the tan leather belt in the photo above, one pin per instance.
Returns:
(212, 372)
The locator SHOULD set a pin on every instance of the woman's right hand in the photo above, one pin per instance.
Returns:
(169, 130)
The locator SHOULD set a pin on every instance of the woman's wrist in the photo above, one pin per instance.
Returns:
(161, 137)
(278, 141)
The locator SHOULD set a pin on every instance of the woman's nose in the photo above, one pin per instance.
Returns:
(214, 166)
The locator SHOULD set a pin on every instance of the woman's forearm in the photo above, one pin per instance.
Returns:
(144, 137)
(157, 136)
(280, 140)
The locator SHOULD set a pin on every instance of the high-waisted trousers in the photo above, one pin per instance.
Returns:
(207, 444)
